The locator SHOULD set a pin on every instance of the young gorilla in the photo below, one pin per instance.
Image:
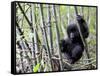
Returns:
(73, 46)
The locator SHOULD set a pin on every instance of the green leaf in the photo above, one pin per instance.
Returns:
(35, 69)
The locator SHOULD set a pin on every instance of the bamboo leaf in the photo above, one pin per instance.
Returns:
(35, 69)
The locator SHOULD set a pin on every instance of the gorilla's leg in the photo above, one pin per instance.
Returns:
(76, 53)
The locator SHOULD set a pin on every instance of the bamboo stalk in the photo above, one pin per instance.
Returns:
(68, 14)
(83, 40)
(32, 37)
(22, 44)
(49, 29)
(45, 35)
(22, 35)
(61, 23)
(82, 11)
(25, 16)
(21, 54)
(88, 17)
(35, 35)
(21, 57)
(58, 38)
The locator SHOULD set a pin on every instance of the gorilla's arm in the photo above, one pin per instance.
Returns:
(65, 45)
(83, 26)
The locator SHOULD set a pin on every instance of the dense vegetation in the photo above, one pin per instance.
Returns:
(40, 27)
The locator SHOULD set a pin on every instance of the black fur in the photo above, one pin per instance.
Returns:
(73, 46)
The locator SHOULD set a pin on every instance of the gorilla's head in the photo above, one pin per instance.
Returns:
(73, 32)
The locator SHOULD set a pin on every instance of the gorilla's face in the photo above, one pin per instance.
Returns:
(73, 32)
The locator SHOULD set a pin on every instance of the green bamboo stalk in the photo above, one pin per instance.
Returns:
(35, 35)
(61, 23)
(68, 15)
(32, 37)
(88, 17)
(45, 35)
(21, 55)
(58, 38)
(82, 11)
(49, 29)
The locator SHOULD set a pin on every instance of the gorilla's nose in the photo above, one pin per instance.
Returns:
(71, 35)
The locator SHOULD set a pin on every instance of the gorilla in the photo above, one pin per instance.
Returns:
(73, 46)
